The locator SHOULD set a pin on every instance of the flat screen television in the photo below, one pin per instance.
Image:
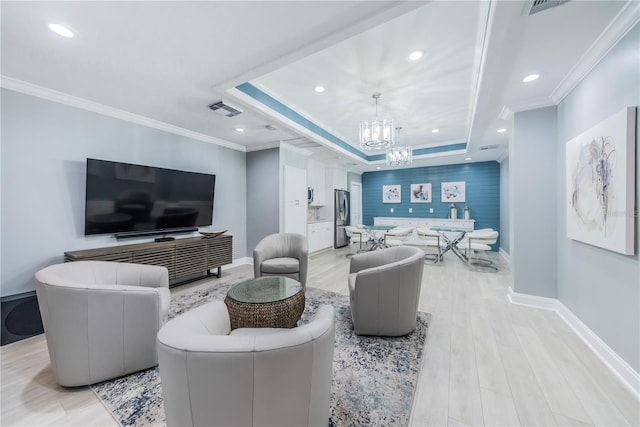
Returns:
(131, 200)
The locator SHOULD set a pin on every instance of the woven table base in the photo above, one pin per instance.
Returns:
(278, 314)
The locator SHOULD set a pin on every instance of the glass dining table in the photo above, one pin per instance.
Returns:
(376, 235)
(452, 236)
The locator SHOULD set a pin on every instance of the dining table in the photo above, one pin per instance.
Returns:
(452, 236)
(376, 235)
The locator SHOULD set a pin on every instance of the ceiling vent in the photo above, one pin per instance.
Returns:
(224, 109)
(534, 6)
(303, 143)
(489, 147)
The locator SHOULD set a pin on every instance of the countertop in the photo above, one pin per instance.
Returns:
(319, 220)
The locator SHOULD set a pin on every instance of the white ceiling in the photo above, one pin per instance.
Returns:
(165, 62)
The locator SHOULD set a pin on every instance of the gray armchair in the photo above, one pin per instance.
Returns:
(212, 376)
(101, 318)
(282, 254)
(384, 290)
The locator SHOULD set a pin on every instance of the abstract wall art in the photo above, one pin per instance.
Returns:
(600, 173)
(421, 193)
(453, 192)
(391, 194)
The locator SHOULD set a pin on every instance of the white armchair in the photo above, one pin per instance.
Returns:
(101, 318)
(212, 376)
(357, 235)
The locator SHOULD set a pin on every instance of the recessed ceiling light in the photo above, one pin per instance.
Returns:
(501, 130)
(468, 158)
(61, 30)
(530, 78)
(239, 130)
(319, 89)
(378, 167)
(435, 130)
(415, 55)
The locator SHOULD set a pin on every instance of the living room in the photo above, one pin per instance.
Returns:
(48, 133)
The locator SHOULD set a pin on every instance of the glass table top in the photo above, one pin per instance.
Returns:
(265, 289)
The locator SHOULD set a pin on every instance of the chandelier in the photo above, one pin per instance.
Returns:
(399, 156)
(378, 133)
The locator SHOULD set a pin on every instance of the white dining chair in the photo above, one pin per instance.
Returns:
(475, 243)
(397, 236)
(431, 239)
(356, 235)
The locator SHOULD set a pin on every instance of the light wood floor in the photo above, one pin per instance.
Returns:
(486, 361)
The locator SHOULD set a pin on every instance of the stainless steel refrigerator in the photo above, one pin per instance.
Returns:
(341, 218)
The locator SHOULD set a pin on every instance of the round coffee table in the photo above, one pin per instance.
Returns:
(265, 302)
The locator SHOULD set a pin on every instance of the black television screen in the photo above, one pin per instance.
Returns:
(128, 198)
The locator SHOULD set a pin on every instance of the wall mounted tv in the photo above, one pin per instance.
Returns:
(135, 200)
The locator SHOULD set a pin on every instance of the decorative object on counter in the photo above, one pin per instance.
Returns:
(421, 193)
(399, 156)
(600, 184)
(453, 211)
(453, 192)
(377, 133)
(391, 194)
(212, 233)
(467, 212)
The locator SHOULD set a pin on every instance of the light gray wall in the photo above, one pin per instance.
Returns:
(533, 184)
(44, 151)
(504, 206)
(601, 287)
(263, 195)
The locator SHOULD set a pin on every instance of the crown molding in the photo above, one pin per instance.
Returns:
(628, 16)
(541, 102)
(84, 104)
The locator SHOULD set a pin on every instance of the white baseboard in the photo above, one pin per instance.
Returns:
(615, 363)
(505, 255)
(239, 261)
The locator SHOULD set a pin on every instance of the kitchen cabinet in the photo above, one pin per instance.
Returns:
(316, 180)
(320, 235)
(295, 200)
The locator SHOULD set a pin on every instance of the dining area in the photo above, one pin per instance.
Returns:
(467, 244)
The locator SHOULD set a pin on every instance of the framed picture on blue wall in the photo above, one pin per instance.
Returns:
(391, 194)
(421, 193)
(453, 192)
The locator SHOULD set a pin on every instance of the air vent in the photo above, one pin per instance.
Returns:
(303, 143)
(489, 147)
(224, 109)
(534, 6)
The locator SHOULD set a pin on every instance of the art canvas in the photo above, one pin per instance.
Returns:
(391, 194)
(421, 193)
(453, 192)
(600, 168)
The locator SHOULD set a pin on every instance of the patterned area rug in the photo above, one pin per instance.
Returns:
(374, 378)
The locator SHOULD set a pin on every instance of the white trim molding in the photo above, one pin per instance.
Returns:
(505, 255)
(629, 377)
(238, 262)
(628, 16)
(95, 107)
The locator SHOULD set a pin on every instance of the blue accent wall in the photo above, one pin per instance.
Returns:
(482, 193)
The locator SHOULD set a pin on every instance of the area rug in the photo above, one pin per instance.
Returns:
(374, 378)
